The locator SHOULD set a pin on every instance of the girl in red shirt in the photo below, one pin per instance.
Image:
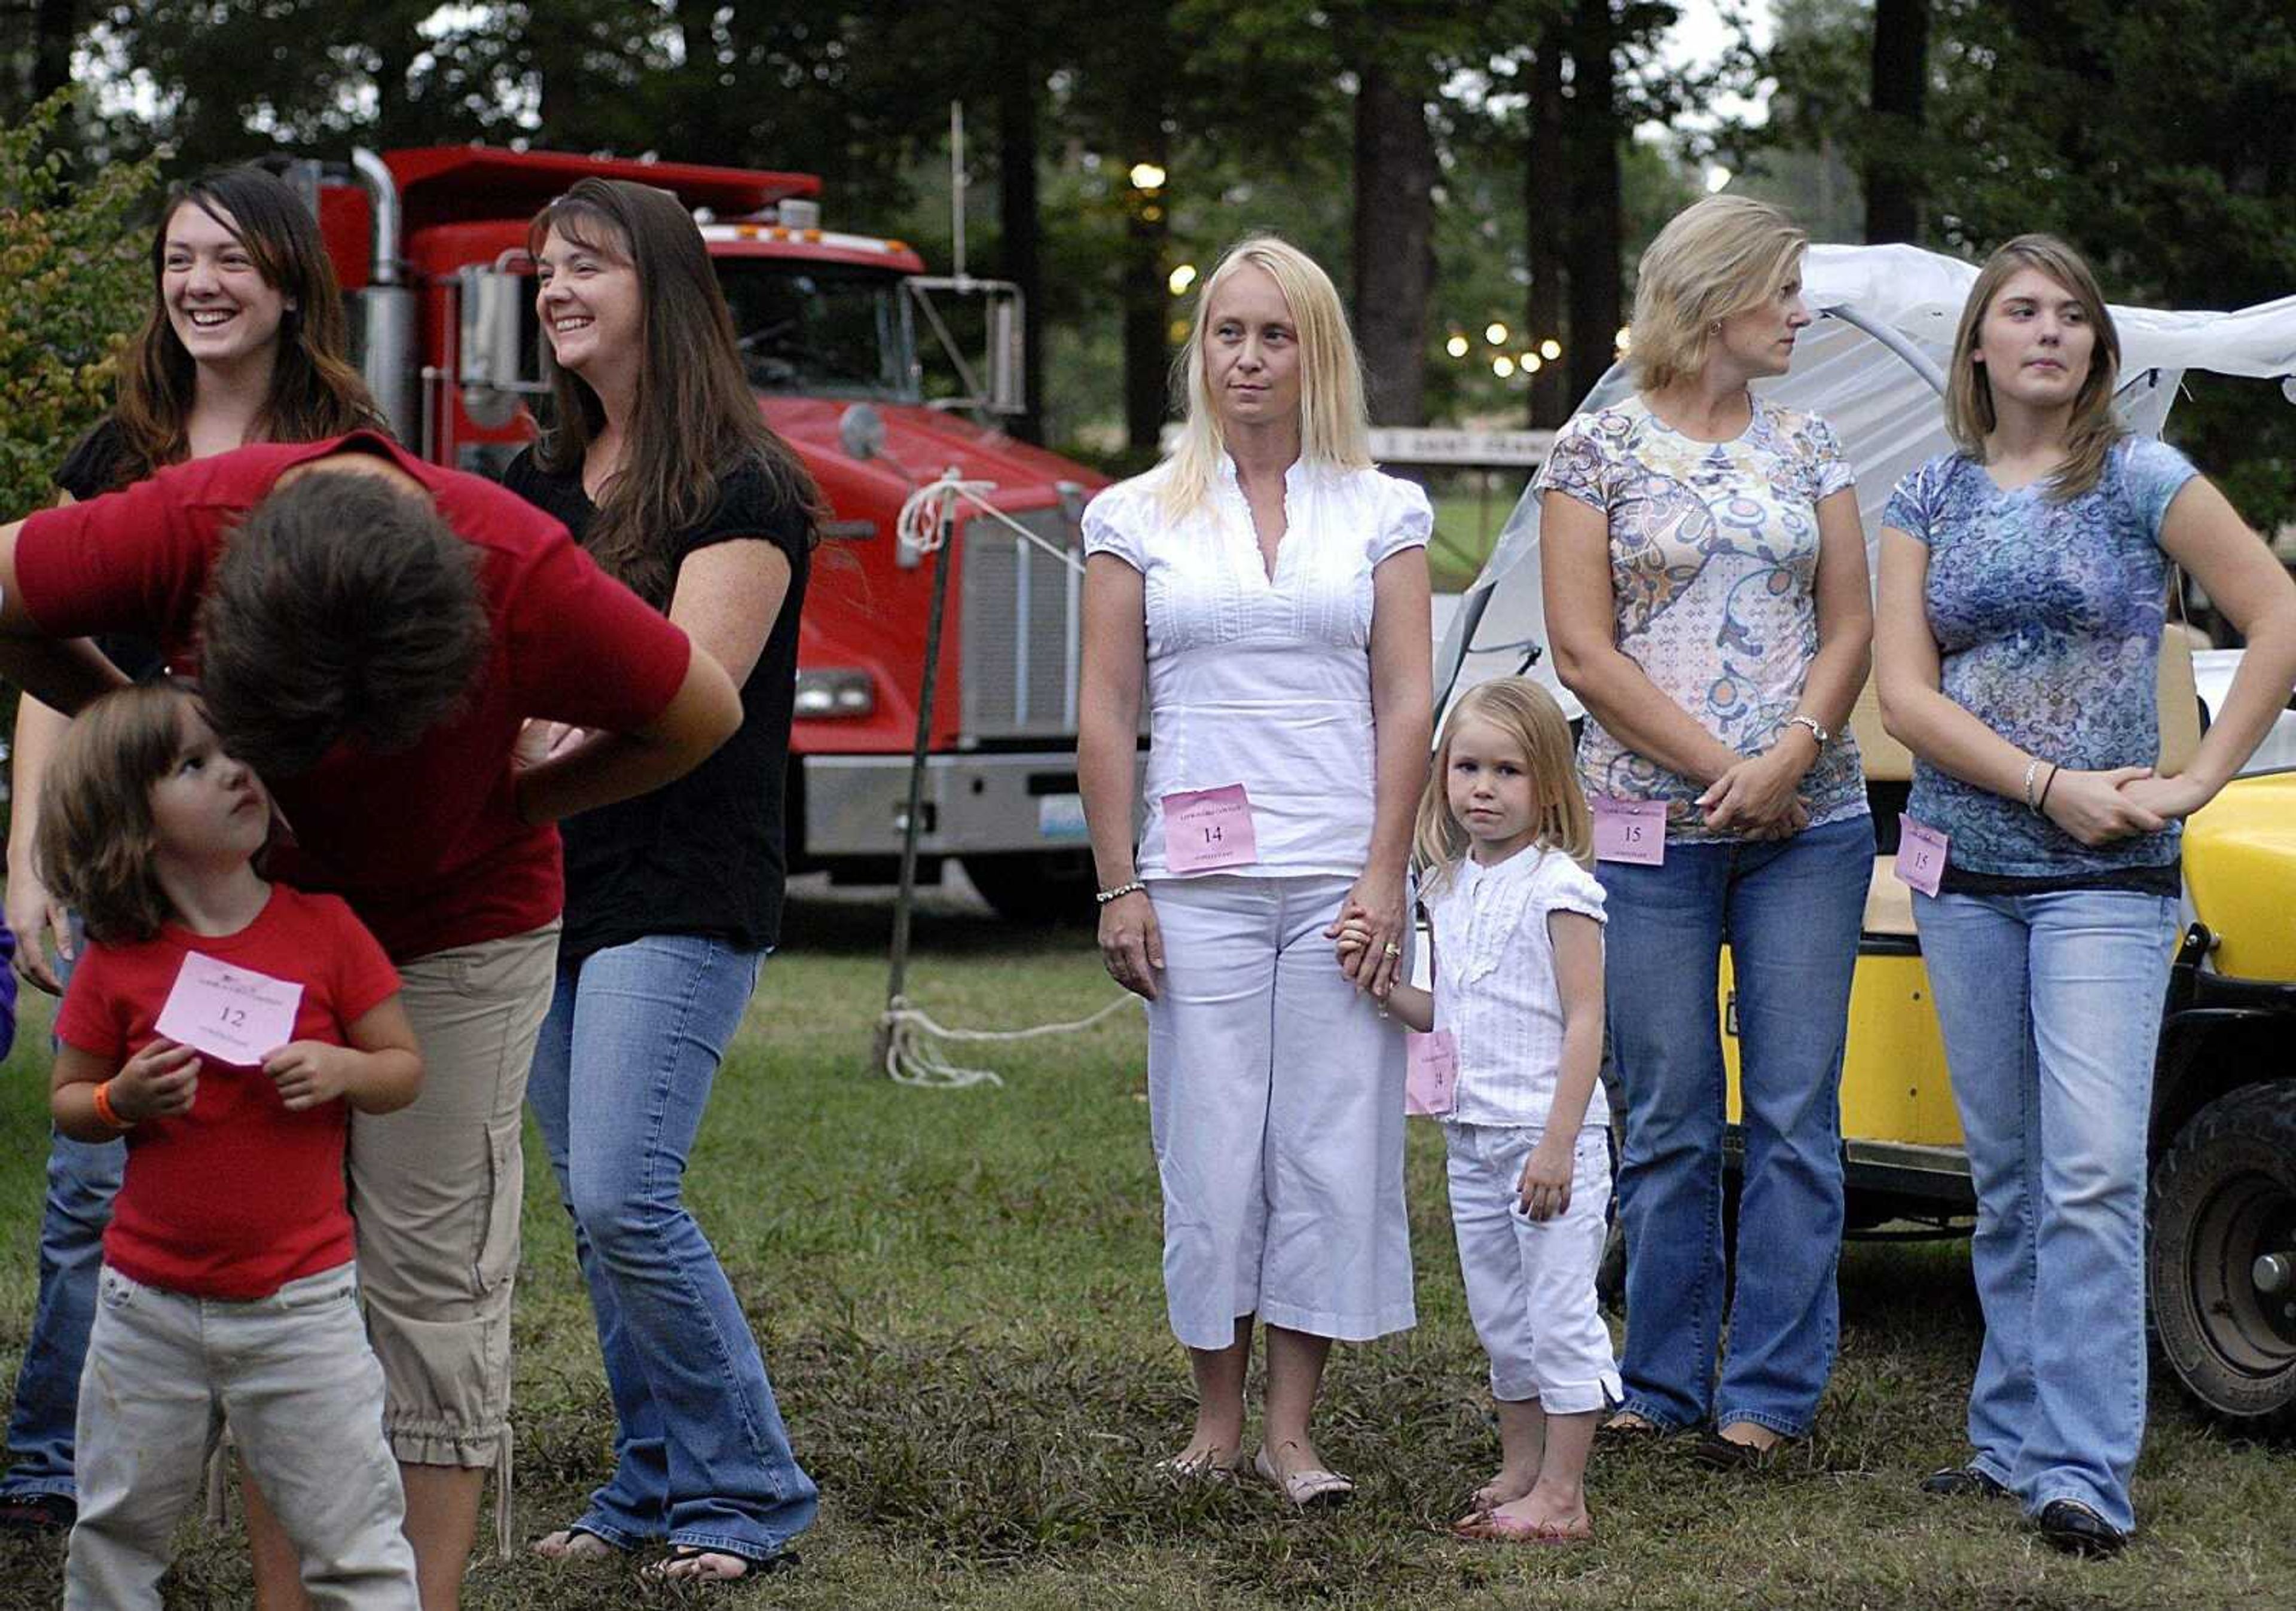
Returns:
(222, 1025)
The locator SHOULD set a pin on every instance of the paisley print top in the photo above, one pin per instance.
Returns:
(2047, 616)
(1713, 563)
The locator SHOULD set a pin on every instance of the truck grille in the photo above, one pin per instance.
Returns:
(1021, 612)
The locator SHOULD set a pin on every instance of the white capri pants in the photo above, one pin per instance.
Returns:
(1276, 1099)
(1530, 1283)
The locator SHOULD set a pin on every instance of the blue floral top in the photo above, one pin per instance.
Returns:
(2047, 616)
(1713, 562)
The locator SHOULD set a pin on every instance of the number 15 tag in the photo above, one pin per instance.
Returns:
(1920, 855)
(232, 1014)
(1208, 829)
(1629, 831)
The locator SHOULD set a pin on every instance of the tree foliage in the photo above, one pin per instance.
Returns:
(72, 259)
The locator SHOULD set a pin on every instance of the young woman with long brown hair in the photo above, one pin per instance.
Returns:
(244, 343)
(2025, 579)
(659, 462)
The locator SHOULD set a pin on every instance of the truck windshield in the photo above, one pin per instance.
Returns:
(821, 328)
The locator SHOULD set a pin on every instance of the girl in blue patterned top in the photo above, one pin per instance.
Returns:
(1706, 599)
(2024, 582)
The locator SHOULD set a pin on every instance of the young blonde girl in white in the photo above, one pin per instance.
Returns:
(1504, 842)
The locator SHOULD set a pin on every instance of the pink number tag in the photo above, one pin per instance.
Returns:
(1208, 829)
(1433, 1083)
(1920, 855)
(232, 1014)
(1629, 831)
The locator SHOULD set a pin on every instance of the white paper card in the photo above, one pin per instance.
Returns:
(232, 1014)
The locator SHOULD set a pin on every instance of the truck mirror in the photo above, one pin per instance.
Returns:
(498, 362)
(1008, 373)
(861, 431)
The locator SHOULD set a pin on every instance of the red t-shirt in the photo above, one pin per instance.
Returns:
(238, 1197)
(426, 844)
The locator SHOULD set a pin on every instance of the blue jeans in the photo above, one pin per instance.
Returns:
(2051, 1010)
(83, 1178)
(621, 1076)
(1790, 912)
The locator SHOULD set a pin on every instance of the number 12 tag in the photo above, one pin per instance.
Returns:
(1208, 829)
(1920, 855)
(232, 1014)
(1629, 831)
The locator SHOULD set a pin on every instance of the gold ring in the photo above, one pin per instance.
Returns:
(1393, 949)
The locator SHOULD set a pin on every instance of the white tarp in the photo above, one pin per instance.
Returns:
(1888, 415)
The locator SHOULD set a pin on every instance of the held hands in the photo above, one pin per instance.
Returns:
(1131, 944)
(2098, 807)
(2166, 797)
(1375, 910)
(309, 1073)
(158, 1082)
(34, 914)
(1545, 1184)
(1756, 796)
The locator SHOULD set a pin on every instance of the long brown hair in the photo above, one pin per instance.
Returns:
(694, 419)
(98, 847)
(1527, 713)
(2093, 429)
(315, 391)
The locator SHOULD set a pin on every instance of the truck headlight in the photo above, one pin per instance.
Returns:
(835, 693)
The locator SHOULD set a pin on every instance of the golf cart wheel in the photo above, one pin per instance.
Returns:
(2222, 1270)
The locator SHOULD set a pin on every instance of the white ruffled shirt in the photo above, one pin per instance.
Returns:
(1259, 682)
(1495, 987)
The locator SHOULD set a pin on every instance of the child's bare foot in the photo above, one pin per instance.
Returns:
(1509, 1485)
(1539, 1517)
(1202, 1459)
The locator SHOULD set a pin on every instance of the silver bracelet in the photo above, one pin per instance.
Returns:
(1104, 897)
(1815, 731)
(2031, 767)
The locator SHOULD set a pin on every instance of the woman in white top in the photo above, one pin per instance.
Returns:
(1268, 587)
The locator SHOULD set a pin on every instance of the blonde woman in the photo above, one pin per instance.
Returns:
(1267, 588)
(1706, 599)
(2024, 586)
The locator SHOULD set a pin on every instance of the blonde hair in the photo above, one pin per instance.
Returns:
(1527, 713)
(2093, 429)
(1334, 426)
(1716, 257)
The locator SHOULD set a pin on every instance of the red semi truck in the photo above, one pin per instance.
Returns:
(429, 245)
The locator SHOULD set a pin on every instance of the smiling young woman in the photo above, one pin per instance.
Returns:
(243, 343)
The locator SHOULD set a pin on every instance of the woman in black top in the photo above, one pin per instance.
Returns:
(244, 343)
(661, 466)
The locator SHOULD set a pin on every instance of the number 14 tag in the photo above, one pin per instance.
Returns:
(232, 1014)
(1208, 829)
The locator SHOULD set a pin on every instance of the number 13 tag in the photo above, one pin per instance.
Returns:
(232, 1014)
(1208, 829)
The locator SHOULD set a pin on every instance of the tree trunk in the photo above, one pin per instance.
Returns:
(1893, 166)
(55, 24)
(1547, 211)
(1394, 244)
(1017, 225)
(1592, 132)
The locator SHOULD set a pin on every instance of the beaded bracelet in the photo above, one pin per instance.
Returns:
(2031, 767)
(1104, 897)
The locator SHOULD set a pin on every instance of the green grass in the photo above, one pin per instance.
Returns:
(959, 1297)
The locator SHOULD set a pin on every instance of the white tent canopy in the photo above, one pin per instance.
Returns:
(1885, 320)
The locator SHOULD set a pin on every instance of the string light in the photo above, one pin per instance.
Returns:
(1503, 366)
(1625, 339)
(1496, 333)
(1147, 176)
(1456, 346)
(1550, 349)
(1182, 278)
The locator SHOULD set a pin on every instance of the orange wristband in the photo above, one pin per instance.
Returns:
(104, 1109)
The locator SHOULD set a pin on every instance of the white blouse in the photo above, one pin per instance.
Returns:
(1258, 682)
(1495, 987)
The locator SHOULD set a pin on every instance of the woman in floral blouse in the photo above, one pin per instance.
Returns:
(2024, 584)
(1706, 600)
